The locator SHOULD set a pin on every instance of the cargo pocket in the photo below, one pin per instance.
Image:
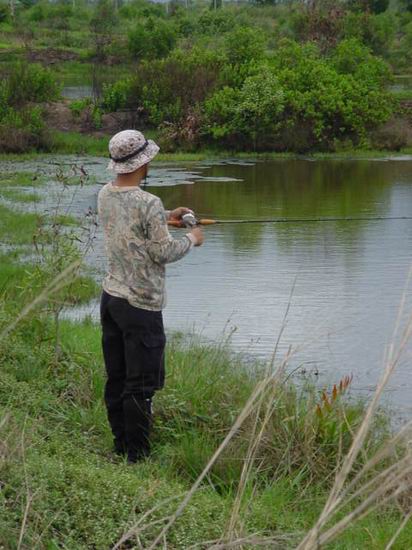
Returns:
(153, 346)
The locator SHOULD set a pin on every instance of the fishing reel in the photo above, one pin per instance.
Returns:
(189, 220)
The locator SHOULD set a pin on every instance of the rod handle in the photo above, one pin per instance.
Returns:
(206, 221)
(179, 223)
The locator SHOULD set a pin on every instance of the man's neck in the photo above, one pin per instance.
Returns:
(127, 182)
(134, 179)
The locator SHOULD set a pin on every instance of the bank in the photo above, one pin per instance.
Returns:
(97, 145)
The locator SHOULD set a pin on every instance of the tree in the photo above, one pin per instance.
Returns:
(102, 26)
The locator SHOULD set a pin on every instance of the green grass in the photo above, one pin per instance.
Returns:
(19, 196)
(20, 179)
(17, 227)
(76, 143)
(83, 497)
(405, 95)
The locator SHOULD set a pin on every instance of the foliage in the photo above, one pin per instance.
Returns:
(173, 59)
(116, 96)
(21, 124)
(244, 45)
(326, 99)
(249, 115)
(23, 130)
(375, 31)
(215, 22)
(24, 82)
(165, 90)
(102, 26)
(154, 38)
(77, 106)
(4, 12)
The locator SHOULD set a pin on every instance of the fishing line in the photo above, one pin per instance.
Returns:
(206, 221)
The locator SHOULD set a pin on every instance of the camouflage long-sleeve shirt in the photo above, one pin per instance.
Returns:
(138, 245)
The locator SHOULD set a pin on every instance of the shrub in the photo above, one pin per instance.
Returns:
(393, 135)
(375, 31)
(23, 130)
(318, 99)
(25, 82)
(166, 91)
(141, 8)
(333, 102)
(154, 38)
(21, 125)
(102, 26)
(214, 22)
(79, 105)
(250, 115)
(244, 45)
(4, 12)
(116, 96)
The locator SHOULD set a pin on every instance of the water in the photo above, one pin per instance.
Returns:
(77, 92)
(401, 83)
(342, 281)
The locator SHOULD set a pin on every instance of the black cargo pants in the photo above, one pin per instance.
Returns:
(133, 342)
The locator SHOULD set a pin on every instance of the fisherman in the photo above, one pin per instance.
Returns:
(138, 246)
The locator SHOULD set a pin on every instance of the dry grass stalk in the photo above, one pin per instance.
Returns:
(314, 537)
(244, 414)
(136, 529)
(256, 435)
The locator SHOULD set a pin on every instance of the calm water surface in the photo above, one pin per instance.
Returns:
(343, 280)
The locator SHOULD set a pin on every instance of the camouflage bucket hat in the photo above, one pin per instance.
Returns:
(129, 150)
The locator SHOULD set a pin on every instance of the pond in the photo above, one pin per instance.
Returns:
(341, 281)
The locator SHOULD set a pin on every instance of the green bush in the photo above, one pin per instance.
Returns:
(303, 100)
(244, 45)
(21, 124)
(116, 96)
(137, 9)
(375, 31)
(153, 38)
(4, 12)
(164, 90)
(24, 82)
(23, 130)
(77, 106)
(214, 22)
(251, 115)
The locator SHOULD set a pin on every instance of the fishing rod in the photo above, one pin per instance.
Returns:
(189, 220)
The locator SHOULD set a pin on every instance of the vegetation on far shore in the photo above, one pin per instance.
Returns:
(61, 486)
(75, 143)
(279, 77)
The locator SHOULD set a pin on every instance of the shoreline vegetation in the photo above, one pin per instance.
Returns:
(241, 456)
(76, 143)
(293, 77)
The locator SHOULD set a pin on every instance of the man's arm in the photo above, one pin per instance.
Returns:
(160, 244)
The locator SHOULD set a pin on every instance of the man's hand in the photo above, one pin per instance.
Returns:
(177, 213)
(197, 233)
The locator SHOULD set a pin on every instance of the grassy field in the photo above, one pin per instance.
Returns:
(280, 446)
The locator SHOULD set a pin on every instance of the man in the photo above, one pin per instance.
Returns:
(138, 245)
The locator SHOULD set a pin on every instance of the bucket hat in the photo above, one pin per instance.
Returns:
(129, 150)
